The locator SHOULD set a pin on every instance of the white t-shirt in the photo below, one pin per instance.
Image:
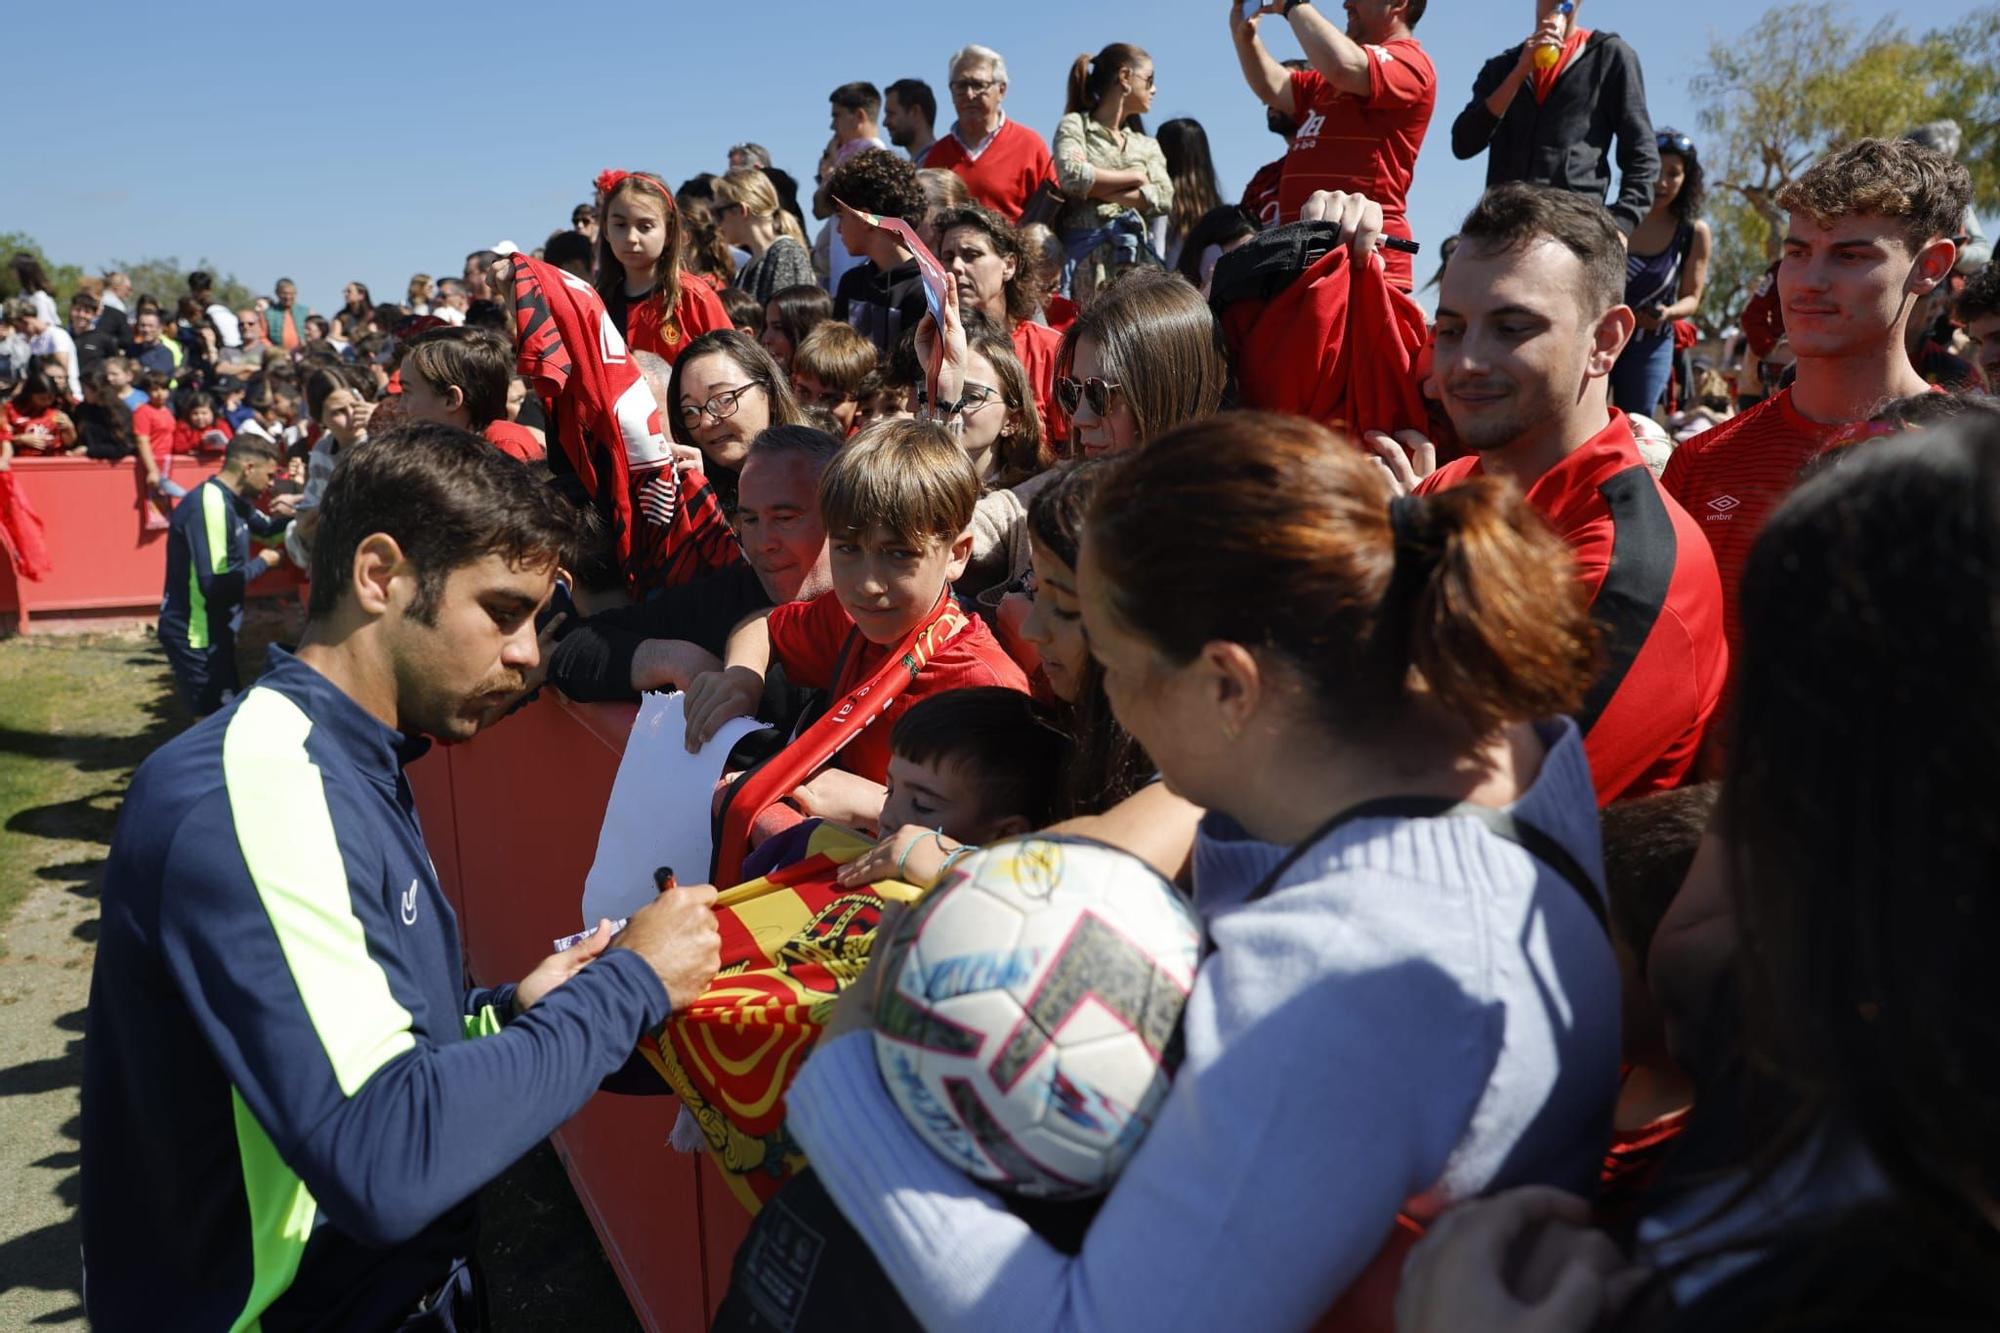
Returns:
(55, 341)
(449, 314)
(227, 327)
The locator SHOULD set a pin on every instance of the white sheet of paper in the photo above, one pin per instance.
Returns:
(658, 814)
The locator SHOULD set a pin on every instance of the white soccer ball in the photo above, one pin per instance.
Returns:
(1028, 1021)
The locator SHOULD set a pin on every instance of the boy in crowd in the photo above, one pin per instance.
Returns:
(966, 768)
(884, 295)
(1870, 235)
(879, 399)
(118, 373)
(210, 564)
(154, 431)
(460, 377)
(829, 369)
(897, 504)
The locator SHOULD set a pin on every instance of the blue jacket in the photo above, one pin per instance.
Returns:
(284, 1113)
(209, 565)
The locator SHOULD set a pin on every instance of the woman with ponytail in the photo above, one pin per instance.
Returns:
(1409, 997)
(1107, 165)
(642, 267)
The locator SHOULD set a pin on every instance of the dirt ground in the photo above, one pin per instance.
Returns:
(77, 715)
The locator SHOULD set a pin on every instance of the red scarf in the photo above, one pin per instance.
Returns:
(602, 416)
(849, 716)
(1545, 79)
(21, 540)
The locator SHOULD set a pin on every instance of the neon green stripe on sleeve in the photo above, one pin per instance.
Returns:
(215, 523)
(284, 828)
(281, 1216)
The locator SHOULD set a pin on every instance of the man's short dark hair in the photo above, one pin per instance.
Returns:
(199, 281)
(570, 251)
(1415, 13)
(1008, 749)
(478, 361)
(879, 181)
(1918, 187)
(244, 446)
(857, 97)
(1649, 843)
(447, 498)
(915, 95)
(1511, 218)
(1981, 297)
(817, 446)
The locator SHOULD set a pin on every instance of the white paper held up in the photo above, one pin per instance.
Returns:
(658, 814)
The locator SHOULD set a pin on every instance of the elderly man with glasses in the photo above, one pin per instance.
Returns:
(1001, 161)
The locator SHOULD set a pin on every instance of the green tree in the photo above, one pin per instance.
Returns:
(162, 279)
(1807, 79)
(62, 277)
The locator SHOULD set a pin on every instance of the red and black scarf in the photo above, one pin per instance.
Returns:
(668, 527)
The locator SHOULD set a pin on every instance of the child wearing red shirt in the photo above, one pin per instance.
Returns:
(897, 503)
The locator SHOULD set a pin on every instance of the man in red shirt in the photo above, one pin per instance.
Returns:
(1530, 320)
(1001, 161)
(1361, 109)
(1869, 236)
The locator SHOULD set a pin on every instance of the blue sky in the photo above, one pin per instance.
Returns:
(368, 140)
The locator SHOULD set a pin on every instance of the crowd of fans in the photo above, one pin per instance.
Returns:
(1719, 629)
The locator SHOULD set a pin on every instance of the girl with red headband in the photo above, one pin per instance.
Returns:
(640, 273)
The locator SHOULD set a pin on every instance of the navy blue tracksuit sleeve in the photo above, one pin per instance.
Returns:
(387, 1120)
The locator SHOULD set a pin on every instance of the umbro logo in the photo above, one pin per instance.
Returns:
(1722, 504)
(410, 904)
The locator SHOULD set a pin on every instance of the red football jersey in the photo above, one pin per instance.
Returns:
(1657, 600)
(699, 311)
(807, 638)
(1369, 144)
(1036, 345)
(1731, 477)
(514, 440)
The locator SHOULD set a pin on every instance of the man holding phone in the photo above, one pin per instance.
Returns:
(1361, 109)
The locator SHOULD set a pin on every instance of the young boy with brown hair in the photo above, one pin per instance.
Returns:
(460, 377)
(897, 504)
(829, 369)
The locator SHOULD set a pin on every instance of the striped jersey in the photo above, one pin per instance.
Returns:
(285, 1112)
(1730, 478)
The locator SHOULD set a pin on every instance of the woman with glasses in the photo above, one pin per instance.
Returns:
(1666, 271)
(726, 391)
(995, 276)
(1147, 356)
(1109, 167)
(1002, 435)
(747, 212)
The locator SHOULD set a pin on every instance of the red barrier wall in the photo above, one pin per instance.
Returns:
(511, 819)
(103, 559)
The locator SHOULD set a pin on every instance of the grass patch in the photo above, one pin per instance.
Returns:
(77, 714)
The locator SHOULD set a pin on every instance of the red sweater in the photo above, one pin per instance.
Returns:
(1656, 597)
(806, 637)
(1003, 177)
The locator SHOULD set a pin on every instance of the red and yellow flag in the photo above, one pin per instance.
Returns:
(790, 942)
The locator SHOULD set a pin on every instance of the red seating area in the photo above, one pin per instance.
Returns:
(511, 819)
(104, 561)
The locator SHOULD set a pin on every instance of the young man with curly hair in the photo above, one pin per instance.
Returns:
(884, 295)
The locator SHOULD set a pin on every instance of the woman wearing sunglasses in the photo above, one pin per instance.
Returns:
(1666, 271)
(1145, 357)
(726, 391)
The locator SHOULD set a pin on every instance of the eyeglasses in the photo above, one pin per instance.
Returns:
(973, 87)
(1673, 141)
(976, 396)
(1096, 392)
(718, 408)
(724, 210)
